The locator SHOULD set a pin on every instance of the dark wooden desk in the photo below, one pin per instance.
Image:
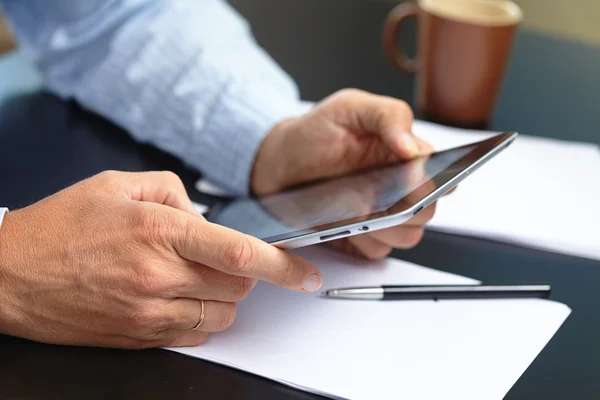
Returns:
(46, 144)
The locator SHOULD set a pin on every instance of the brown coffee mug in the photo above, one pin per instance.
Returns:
(463, 48)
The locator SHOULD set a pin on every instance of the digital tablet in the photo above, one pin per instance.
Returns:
(354, 204)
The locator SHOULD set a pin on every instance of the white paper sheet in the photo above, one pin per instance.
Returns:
(469, 349)
(206, 187)
(541, 193)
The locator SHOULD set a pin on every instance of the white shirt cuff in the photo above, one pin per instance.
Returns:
(3, 211)
(230, 140)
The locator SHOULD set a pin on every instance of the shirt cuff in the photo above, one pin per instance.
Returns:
(3, 211)
(230, 140)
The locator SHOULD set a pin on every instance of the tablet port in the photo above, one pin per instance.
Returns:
(334, 235)
(418, 210)
(363, 228)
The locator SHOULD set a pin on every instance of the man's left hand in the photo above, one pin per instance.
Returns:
(348, 131)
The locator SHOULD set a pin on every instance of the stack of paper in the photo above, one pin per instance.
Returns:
(539, 192)
(469, 349)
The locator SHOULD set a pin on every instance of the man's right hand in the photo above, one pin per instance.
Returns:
(123, 260)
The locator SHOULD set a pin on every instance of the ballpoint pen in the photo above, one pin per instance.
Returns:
(439, 292)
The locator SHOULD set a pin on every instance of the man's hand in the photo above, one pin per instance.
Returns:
(123, 260)
(349, 131)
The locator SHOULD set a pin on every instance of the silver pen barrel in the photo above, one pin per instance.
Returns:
(356, 293)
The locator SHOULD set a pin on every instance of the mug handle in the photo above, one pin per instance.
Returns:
(390, 37)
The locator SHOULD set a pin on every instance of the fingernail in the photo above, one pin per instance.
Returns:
(312, 283)
(408, 142)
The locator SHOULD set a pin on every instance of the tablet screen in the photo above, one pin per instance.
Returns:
(349, 199)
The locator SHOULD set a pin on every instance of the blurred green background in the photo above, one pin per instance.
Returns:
(575, 19)
(571, 19)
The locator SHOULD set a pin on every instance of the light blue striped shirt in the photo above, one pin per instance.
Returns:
(183, 75)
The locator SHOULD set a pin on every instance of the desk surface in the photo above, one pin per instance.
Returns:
(46, 144)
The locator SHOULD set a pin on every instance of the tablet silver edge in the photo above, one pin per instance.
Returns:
(389, 220)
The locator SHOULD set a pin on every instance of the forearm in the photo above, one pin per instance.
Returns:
(185, 76)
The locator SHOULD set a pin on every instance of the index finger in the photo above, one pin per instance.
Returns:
(239, 254)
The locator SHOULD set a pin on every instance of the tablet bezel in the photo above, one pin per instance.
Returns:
(405, 208)
(401, 211)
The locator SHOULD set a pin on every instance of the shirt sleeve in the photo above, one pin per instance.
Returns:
(186, 76)
(3, 211)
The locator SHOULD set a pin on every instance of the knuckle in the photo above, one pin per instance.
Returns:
(378, 253)
(153, 220)
(287, 278)
(199, 339)
(172, 177)
(384, 114)
(190, 235)
(108, 175)
(144, 319)
(227, 318)
(194, 340)
(404, 108)
(139, 215)
(394, 110)
(413, 237)
(148, 222)
(126, 343)
(148, 280)
(107, 180)
(242, 288)
(350, 92)
(240, 255)
(429, 212)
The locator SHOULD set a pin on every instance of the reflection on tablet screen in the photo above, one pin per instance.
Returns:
(334, 200)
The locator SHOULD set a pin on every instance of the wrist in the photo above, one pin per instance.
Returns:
(269, 170)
